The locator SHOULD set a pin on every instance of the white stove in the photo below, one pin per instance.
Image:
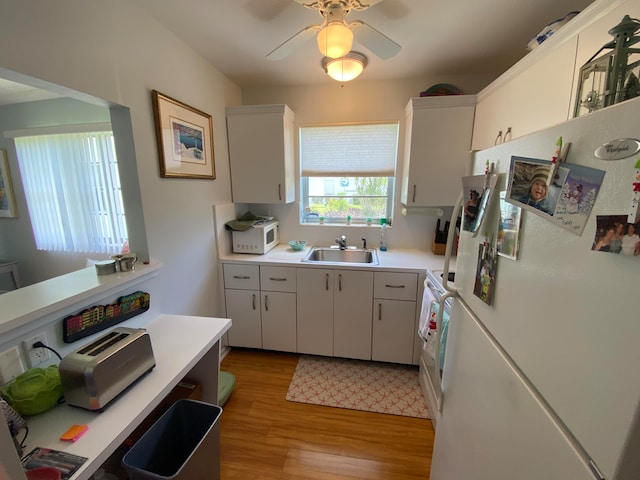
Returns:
(430, 378)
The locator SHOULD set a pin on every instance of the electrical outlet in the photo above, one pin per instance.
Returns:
(35, 356)
(10, 365)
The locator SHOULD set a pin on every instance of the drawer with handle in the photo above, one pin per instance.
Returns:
(395, 286)
(278, 279)
(241, 277)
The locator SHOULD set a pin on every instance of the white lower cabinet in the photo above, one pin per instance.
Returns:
(352, 294)
(261, 306)
(357, 314)
(394, 317)
(243, 308)
(278, 300)
(393, 331)
(334, 312)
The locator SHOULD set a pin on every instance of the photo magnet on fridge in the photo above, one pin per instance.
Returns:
(486, 270)
(566, 199)
(478, 190)
(614, 234)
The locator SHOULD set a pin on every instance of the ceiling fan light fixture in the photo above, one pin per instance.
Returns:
(335, 40)
(345, 68)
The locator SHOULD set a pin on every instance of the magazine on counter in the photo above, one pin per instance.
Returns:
(67, 463)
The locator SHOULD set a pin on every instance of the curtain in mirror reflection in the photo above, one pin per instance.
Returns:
(73, 191)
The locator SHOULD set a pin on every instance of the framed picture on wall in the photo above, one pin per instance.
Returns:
(7, 200)
(185, 139)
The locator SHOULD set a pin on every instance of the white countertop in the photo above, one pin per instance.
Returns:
(179, 343)
(19, 307)
(401, 260)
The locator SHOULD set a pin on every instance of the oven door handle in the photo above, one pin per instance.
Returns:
(438, 379)
(428, 299)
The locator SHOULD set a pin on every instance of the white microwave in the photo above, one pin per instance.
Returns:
(259, 239)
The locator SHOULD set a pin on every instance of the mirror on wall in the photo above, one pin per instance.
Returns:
(27, 103)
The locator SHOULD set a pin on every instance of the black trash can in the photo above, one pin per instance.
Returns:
(184, 443)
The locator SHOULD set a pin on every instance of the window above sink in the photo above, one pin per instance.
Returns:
(347, 173)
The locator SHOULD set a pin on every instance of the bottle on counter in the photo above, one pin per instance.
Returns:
(383, 235)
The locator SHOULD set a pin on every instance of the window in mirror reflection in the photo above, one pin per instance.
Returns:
(73, 192)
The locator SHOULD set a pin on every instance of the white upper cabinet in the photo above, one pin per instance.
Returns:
(540, 90)
(261, 153)
(436, 149)
(526, 100)
(596, 34)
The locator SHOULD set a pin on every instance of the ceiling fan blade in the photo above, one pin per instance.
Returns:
(363, 4)
(349, 4)
(293, 42)
(374, 40)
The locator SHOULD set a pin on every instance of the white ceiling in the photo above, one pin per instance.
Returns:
(437, 38)
(13, 92)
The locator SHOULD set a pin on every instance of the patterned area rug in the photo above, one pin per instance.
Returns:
(358, 385)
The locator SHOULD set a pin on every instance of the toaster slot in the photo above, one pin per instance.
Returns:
(103, 343)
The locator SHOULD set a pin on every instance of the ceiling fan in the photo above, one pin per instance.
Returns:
(335, 35)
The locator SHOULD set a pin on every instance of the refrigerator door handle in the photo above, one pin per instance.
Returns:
(595, 470)
(454, 217)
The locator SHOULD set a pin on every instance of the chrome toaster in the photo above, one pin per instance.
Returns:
(95, 374)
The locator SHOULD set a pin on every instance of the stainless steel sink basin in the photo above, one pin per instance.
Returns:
(335, 255)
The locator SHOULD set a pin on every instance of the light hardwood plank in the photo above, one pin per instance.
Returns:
(265, 437)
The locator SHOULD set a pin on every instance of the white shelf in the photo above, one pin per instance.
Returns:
(24, 305)
(179, 343)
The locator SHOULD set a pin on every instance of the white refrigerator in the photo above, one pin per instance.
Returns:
(544, 383)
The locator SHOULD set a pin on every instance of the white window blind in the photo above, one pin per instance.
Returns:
(73, 192)
(358, 150)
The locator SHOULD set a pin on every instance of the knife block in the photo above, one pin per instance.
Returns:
(438, 248)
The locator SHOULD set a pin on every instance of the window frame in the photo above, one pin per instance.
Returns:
(314, 218)
(304, 204)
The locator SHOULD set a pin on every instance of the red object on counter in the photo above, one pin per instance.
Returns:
(43, 473)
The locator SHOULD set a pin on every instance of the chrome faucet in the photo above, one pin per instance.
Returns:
(364, 243)
(342, 242)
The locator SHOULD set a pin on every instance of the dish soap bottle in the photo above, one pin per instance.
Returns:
(383, 235)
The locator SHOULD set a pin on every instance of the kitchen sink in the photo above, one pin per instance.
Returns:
(350, 255)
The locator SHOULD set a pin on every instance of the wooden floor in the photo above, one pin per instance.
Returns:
(265, 437)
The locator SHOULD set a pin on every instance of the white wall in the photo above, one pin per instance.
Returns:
(356, 102)
(113, 51)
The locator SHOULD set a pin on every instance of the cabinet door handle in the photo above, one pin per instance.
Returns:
(414, 193)
(280, 191)
(277, 279)
(266, 302)
(253, 301)
(507, 134)
(242, 277)
(379, 311)
(394, 286)
(340, 282)
(498, 138)
(326, 282)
